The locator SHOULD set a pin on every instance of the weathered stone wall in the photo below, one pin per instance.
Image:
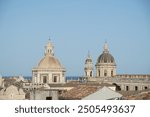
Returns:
(137, 83)
(12, 97)
(132, 84)
(42, 94)
(12, 93)
(1, 82)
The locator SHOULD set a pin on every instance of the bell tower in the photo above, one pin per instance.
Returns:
(88, 66)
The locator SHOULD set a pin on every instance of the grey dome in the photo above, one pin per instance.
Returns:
(88, 60)
(105, 58)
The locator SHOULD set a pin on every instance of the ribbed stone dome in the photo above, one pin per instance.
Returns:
(105, 58)
(49, 62)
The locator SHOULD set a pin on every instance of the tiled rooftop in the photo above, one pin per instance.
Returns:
(78, 92)
(140, 96)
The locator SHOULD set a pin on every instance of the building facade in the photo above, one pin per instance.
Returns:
(105, 66)
(49, 69)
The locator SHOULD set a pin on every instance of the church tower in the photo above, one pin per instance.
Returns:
(88, 66)
(49, 69)
(105, 66)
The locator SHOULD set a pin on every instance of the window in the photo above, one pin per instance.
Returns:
(91, 73)
(44, 79)
(99, 73)
(55, 79)
(136, 88)
(118, 88)
(105, 73)
(127, 88)
(105, 60)
(86, 73)
(111, 72)
(48, 98)
(60, 92)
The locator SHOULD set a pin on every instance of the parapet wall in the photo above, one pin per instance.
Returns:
(132, 76)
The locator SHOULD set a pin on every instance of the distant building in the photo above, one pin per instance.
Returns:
(88, 66)
(49, 69)
(105, 66)
(12, 93)
(106, 73)
(48, 72)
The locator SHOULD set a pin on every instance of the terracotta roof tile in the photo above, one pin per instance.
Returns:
(78, 92)
(140, 96)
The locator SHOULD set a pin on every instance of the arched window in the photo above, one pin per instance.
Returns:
(91, 73)
(99, 73)
(127, 88)
(105, 73)
(136, 88)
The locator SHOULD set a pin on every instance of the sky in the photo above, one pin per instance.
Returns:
(74, 27)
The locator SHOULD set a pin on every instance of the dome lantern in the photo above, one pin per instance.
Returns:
(106, 50)
(49, 49)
